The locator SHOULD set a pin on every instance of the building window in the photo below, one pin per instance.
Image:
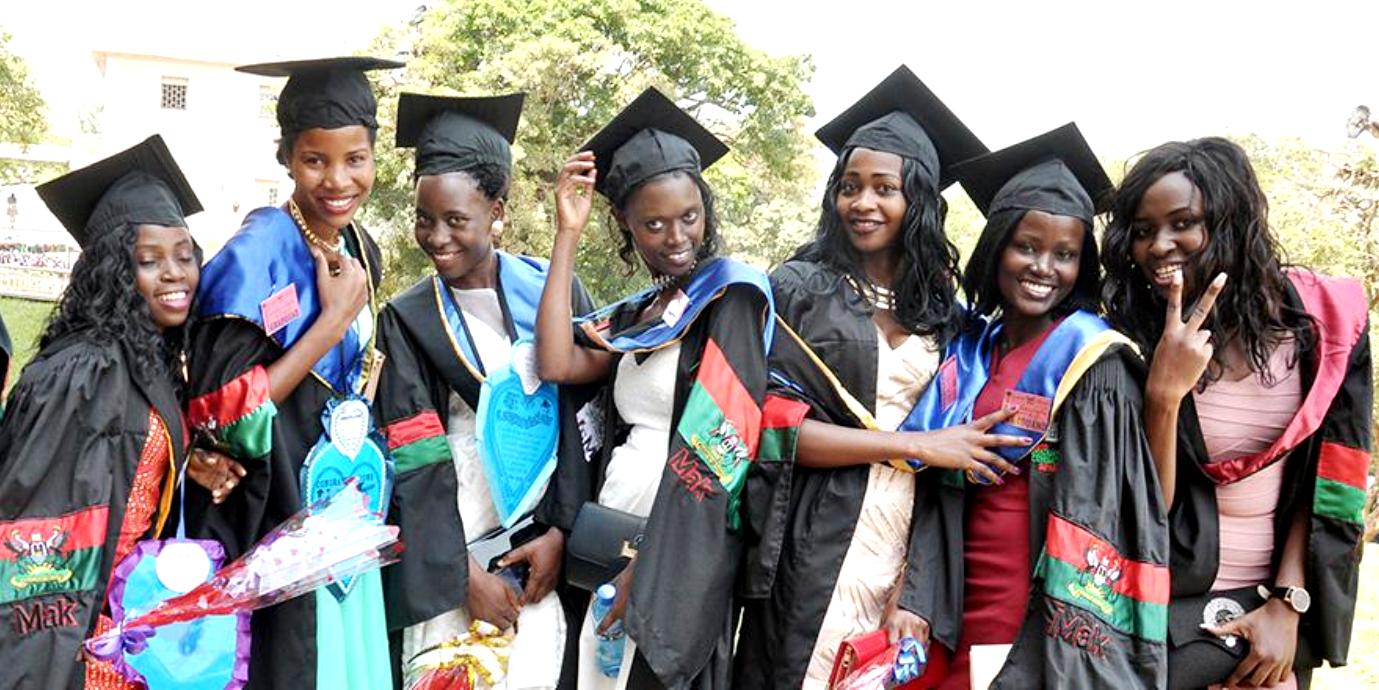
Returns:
(268, 101)
(268, 191)
(174, 93)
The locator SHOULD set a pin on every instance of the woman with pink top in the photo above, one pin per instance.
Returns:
(1257, 409)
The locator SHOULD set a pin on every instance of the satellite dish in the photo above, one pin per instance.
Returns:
(1359, 121)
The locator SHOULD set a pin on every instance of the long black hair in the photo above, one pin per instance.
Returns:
(925, 296)
(102, 302)
(979, 277)
(1239, 243)
(707, 249)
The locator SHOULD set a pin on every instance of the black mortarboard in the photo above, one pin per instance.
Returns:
(453, 134)
(902, 116)
(140, 185)
(1054, 172)
(649, 137)
(326, 93)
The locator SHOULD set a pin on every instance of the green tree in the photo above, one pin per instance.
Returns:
(579, 63)
(1324, 208)
(21, 114)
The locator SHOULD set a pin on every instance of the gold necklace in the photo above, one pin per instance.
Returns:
(310, 236)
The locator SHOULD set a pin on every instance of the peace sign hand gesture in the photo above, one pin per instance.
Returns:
(1185, 348)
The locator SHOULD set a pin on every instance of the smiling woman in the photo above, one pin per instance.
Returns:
(1076, 535)
(698, 336)
(285, 334)
(94, 422)
(448, 338)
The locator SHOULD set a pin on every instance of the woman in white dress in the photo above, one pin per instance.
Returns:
(686, 360)
(445, 337)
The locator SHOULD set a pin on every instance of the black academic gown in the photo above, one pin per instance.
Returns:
(778, 633)
(283, 650)
(1092, 477)
(1327, 462)
(680, 610)
(422, 369)
(75, 427)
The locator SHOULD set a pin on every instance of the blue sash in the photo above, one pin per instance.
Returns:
(707, 284)
(520, 280)
(950, 398)
(518, 433)
(265, 257)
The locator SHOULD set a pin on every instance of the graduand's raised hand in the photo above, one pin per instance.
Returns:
(1185, 349)
(343, 287)
(574, 193)
(1181, 356)
(968, 447)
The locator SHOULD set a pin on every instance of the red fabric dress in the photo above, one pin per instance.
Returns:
(145, 499)
(996, 555)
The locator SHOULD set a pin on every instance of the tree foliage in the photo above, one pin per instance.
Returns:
(22, 118)
(1324, 208)
(580, 62)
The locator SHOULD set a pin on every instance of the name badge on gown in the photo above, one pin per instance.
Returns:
(518, 429)
(349, 448)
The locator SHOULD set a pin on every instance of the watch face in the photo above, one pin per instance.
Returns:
(1299, 599)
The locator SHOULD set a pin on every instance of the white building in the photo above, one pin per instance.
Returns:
(218, 123)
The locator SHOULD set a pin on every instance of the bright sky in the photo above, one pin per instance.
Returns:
(1131, 74)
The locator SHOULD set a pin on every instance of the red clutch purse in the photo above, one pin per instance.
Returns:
(854, 652)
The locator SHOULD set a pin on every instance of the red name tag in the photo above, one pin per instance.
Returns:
(280, 309)
(948, 383)
(1031, 411)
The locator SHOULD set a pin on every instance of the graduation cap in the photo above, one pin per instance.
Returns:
(325, 93)
(140, 185)
(1054, 172)
(452, 134)
(902, 116)
(649, 137)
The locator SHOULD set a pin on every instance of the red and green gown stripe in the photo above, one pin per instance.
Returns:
(237, 417)
(52, 554)
(417, 441)
(1340, 488)
(728, 429)
(1131, 596)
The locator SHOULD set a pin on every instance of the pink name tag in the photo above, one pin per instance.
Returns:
(948, 382)
(280, 309)
(1031, 411)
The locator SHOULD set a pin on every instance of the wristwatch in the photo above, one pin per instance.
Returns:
(1296, 598)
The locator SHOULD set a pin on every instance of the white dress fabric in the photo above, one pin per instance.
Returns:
(645, 398)
(875, 559)
(536, 650)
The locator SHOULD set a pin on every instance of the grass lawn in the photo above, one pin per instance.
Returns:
(25, 320)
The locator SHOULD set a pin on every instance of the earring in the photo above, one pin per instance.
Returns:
(496, 226)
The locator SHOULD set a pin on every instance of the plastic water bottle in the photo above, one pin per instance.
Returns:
(608, 654)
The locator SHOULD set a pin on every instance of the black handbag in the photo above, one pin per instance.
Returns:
(1197, 658)
(601, 543)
